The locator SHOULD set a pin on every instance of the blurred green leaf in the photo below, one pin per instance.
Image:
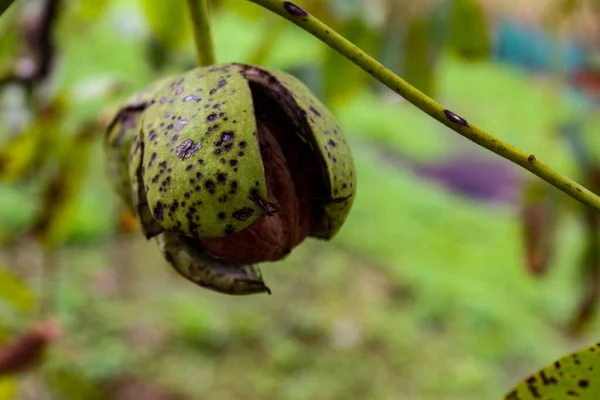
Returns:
(244, 9)
(69, 385)
(11, 41)
(585, 143)
(82, 14)
(343, 79)
(5, 334)
(559, 11)
(17, 209)
(62, 191)
(590, 262)
(418, 63)
(237, 38)
(104, 51)
(576, 375)
(345, 9)
(4, 5)
(20, 154)
(327, 11)
(8, 388)
(169, 21)
(270, 32)
(392, 40)
(311, 76)
(540, 211)
(468, 30)
(91, 10)
(16, 292)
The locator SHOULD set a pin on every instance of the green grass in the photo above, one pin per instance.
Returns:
(421, 296)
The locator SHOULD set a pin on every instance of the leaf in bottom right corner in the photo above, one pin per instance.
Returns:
(575, 376)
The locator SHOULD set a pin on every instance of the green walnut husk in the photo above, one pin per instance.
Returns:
(228, 166)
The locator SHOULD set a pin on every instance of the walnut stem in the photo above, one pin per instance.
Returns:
(202, 34)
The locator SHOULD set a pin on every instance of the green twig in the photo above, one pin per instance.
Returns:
(202, 35)
(309, 23)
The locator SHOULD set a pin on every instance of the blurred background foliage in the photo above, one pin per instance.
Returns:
(455, 276)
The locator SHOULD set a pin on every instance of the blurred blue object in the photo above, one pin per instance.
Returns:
(518, 44)
(535, 50)
(481, 179)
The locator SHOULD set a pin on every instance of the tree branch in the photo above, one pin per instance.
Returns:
(312, 25)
